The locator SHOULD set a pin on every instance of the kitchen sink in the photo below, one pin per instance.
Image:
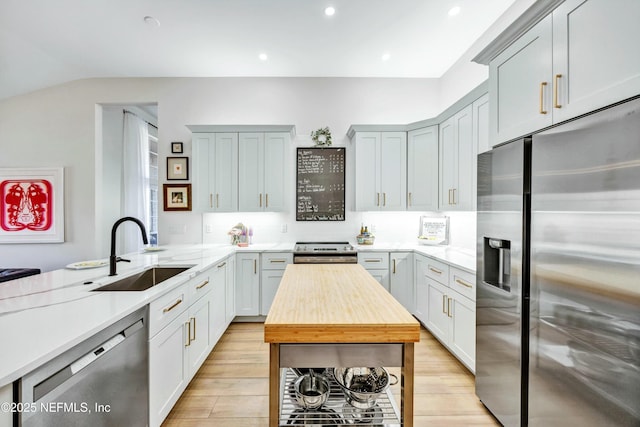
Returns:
(143, 280)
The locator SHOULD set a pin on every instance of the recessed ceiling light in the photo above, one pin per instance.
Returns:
(263, 57)
(151, 21)
(330, 11)
(386, 56)
(454, 11)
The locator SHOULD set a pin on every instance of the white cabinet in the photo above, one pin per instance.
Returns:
(422, 169)
(219, 299)
(198, 327)
(247, 284)
(457, 161)
(230, 294)
(273, 266)
(480, 111)
(422, 296)
(381, 171)
(262, 171)
(377, 264)
(401, 283)
(575, 60)
(215, 181)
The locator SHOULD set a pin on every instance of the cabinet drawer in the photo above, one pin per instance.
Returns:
(276, 260)
(437, 270)
(199, 286)
(463, 282)
(166, 308)
(374, 260)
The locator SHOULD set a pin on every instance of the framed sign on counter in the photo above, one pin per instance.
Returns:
(320, 183)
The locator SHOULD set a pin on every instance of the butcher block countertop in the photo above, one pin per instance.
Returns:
(336, 303)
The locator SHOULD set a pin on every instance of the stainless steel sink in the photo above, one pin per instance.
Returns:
(143, 280)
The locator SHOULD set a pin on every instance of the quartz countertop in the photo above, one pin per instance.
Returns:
(44, 315)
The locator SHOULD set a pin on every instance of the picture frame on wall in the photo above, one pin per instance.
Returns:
(177, 197)
(176, 147)
(177, 168)
(32, 205)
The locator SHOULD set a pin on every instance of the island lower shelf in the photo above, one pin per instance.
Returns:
(336, 411)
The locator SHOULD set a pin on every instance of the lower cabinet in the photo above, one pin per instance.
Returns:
(377, 264)
(219, 300)
(401, 283)
(422, 296)
(247, 284)
(230, 294)
(273, 266)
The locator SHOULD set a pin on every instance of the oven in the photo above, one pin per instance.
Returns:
(324, 253)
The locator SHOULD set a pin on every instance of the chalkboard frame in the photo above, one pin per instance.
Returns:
(301, 216)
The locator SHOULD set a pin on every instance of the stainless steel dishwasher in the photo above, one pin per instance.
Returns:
(101, 382)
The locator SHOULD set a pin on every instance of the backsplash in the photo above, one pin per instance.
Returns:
(388, 227)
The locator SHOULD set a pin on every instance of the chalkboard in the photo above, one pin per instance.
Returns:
(320, 184)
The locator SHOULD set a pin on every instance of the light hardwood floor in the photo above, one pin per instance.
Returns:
(231, 387)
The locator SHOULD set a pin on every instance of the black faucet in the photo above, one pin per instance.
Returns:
(112, 258)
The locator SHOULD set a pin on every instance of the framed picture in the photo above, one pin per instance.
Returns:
(176, 148)
(177, 197)
(32, 205)
(177, 168)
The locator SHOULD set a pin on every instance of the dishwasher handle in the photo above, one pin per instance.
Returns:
(64, 374)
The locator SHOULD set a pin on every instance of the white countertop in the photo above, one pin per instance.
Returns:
(42, 316)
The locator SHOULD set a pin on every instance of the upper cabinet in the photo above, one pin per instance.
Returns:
(480, 111)
(457, 161)
(262, 167)
(381, 171)
(575, 60)
(422, 169)
(216, 177)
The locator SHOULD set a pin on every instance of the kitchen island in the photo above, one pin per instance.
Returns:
(332, 315)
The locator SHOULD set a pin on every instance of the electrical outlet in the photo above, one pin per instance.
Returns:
(284, 228)
(209, 228)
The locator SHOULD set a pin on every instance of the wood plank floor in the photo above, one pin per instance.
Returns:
(231, 388)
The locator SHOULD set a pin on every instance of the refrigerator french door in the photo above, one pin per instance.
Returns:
(558, 316)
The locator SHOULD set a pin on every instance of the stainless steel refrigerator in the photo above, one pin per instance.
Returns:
(558, 274)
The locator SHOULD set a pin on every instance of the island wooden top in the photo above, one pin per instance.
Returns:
(336, 303)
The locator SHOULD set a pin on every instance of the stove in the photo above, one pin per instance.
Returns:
(324, 253)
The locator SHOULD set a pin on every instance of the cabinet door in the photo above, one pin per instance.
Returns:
(168, 368)
(422, 169)
(275, 161)
(593, 60)
(382, 276)
(422, 291)
(269, 286)
(225, 173)
(480, 115)
(251, 172)
(401, 284)
(199, 344)
(520, 85)
(463, 329)
(448, 162)
(463, 194)
(247, 284)
(393, 171)
(367, 176)
(218, 299)
(230, 292)
(437, 314)
(203, 154)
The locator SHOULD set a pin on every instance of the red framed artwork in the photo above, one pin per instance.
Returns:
(32, 205)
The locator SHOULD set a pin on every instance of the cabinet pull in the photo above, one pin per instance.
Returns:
(276, 261)
(372, 260)
(453, 192)
(394, 266)
(210, 200)
(542, 86)
(449, 196)
(255, 266)
(202, 285)
(378, 202)
(172, 306)
(194, 329)
(463, 283)
(221, 264)
(410, 204)
(555, 91)
(449, 307)
(188, 326)
(384, 199)
(260, 199)
(444, 304)
(266, 200)
(435, 270)
(217, 200)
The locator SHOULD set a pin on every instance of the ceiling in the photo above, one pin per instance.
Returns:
(44, 42)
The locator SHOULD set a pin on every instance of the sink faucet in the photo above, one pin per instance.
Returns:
(112, 258)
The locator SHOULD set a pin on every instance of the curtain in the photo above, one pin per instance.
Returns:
(135, 180)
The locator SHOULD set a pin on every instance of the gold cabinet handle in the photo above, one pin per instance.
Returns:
(277, 261)
(202, 285)
(444, 304)
(453, 192)
(384, 199)
(449, 307)
(449, 196)
(194, 329)
(463, 283)
(221, 264)
(394, 266)
(542, 86)
(410, 199)
(255, 266)
(378, 202)
(210, 200)
(435, 270)
(260, 199)
(266, 200)
(217, 200)
(172, 306)
(555, 91)
(372, 260)
(188, 326)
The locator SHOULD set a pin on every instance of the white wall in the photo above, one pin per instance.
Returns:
(61, 126)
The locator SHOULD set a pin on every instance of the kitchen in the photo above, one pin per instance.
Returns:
(189, 101)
